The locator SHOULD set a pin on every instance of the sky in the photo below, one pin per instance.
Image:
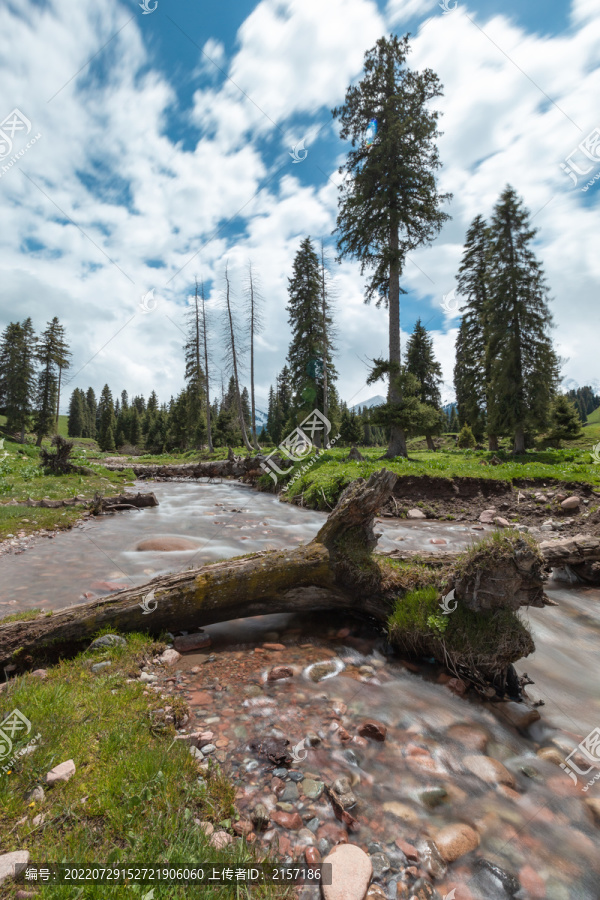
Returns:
(143, 145)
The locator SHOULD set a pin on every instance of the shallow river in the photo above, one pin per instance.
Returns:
(536, 826)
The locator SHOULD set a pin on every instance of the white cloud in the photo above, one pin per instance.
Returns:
(108, 138)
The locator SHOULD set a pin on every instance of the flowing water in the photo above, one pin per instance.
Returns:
(532, 820)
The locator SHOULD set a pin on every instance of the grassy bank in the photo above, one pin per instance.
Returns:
(136, 792)
(323, 482)
(21, 478)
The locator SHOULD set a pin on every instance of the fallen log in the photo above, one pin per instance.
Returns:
(337, 570)
(122, 501)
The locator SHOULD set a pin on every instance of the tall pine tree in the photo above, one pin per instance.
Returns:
(525, 367)
(421, 362)
(389, 202)
(17, 375)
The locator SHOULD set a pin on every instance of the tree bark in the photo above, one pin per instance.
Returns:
(519, 442)
(493, 442)
(205, 337)
(430, 443)
(397, 442)
(247, 443)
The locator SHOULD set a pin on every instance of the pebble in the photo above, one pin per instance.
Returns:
(571, 502)
(36, 795)
(278, 673)
(208, 749)
(148, 678)
(312, 856)
(290, 820)
(489, 770)
(531, 881)
(501, 522)
(409, 851)
(312, 789)
(8, 862)
(63, 772)
(352, 871)
(376, 731)
(415, 514)
(471, 736)
(97, 667)
(454, 841)
(220, 839)
(260, 817)
(169, 657)
(274, 646)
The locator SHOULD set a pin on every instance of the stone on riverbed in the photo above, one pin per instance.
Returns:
(185, 643)
(489, 770)
(352, 871)
(169, 657)
(377, 731)
(166, 544)
(277, 673)
(454, 841)
(415, 514)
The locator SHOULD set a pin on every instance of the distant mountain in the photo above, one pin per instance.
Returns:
(377, 400)
(261, 417)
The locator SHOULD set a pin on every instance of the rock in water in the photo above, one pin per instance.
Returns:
(352, 871)
(455, 841)
(415, 514)
(489, 770)
(377, 731)
(166, 544)
(277, 673)
(185, 643)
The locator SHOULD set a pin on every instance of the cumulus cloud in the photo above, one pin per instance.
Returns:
(108, 204)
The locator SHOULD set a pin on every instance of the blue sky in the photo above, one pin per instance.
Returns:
(164, 150)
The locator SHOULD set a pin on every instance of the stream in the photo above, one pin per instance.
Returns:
(538, 838)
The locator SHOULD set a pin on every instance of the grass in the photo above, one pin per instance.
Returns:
(323, 482)
(21, 478)
(135, 793)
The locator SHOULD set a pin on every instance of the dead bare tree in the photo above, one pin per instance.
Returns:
(232, 350)
(254, 301)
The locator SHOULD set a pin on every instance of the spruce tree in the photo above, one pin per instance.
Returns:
(421, 362)
(566, 424)
(106, 415)
(524, 368)
(17, 375)
(389, 202)
(310, 326)
(90, 402)
(47, 384)
(77, 410)
(472, 372)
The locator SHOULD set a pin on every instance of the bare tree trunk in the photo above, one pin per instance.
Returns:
(238, 395)
(492, 442)
(58, 396)
(519, 442)
(325, 338)
(204, 334)
(253, 323)
(430, 443)
(397, 442)
(197, 349)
